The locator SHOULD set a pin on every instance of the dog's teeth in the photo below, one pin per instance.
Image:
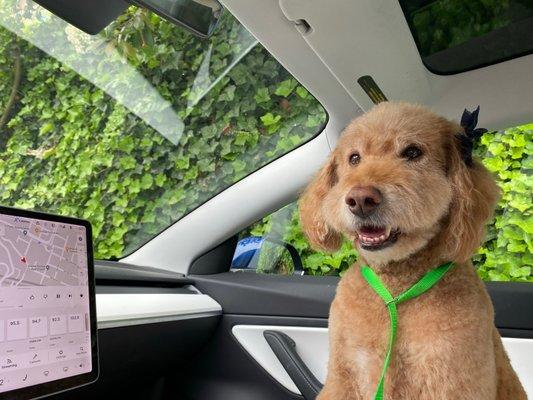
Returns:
(374, 240)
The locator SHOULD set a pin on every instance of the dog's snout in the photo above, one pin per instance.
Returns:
(363, 201)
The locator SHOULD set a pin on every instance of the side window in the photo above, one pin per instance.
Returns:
(506, 255)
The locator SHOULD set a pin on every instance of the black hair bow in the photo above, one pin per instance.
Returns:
(470, 135)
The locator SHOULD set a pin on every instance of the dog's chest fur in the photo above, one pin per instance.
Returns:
(427, 329)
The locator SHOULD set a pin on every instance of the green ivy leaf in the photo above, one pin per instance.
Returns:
(47, 127)
(147, 181)
(262, 95)
(286, 87)
(269, 119)
(302, 92)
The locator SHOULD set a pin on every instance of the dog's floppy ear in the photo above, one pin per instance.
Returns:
(474, 196)
(319, 233)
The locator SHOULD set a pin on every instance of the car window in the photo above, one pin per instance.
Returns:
(455, 35)
(137, 126)
(506, 255)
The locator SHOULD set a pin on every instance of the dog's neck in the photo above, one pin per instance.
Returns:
(400, 275)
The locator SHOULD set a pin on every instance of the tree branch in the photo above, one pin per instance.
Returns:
(14, 90)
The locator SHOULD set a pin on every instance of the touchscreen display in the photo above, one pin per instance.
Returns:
(45, 329)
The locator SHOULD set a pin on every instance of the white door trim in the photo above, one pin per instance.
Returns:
(313, 347)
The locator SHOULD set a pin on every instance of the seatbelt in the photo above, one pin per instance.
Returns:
(422, 286)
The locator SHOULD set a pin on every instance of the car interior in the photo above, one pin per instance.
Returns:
(175, 315)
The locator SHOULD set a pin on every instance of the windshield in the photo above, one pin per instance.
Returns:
(135, 127)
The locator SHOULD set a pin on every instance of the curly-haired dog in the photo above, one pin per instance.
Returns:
(398, 186)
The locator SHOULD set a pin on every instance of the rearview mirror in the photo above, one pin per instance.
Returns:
(198, 16)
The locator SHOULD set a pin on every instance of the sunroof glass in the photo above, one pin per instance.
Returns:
(459, 35)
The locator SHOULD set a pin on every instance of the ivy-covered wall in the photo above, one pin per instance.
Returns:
(508, 252)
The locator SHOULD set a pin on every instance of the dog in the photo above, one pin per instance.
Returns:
(398, 186)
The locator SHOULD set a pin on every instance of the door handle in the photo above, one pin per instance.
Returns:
(285, 350)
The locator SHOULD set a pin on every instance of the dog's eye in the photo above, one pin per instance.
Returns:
(411, 152)
(355, 158)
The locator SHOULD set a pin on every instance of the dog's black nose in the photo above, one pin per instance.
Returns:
(363, 200)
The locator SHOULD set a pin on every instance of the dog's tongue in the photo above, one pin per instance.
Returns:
(370, 231)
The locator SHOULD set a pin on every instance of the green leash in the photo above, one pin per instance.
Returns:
(423, 285)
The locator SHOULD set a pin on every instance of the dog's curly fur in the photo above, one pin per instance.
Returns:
(447, 345)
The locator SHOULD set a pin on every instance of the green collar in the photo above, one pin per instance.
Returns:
(423, 285)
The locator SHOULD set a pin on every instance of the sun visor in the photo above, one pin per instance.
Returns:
(89, 16)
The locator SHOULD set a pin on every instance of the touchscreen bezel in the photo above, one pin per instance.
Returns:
(63, 384)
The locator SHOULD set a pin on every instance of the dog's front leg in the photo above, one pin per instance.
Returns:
(459, 364)
(337, 388)
(330, 392)
(342, 381)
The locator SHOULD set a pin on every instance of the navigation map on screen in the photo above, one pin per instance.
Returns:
(44, 302)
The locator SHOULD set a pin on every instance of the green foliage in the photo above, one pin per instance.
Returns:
(507, 253)
(81, 139)
(447, 23)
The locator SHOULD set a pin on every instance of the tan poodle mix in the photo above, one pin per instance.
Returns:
(398, 187)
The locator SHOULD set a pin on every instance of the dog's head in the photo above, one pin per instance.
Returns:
(395, 180)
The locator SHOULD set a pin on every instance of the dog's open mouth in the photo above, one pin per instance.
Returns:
(376, 238)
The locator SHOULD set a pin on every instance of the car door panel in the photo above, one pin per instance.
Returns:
(225, 370)
(311, 296)
(313, 348)
(311, 345)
